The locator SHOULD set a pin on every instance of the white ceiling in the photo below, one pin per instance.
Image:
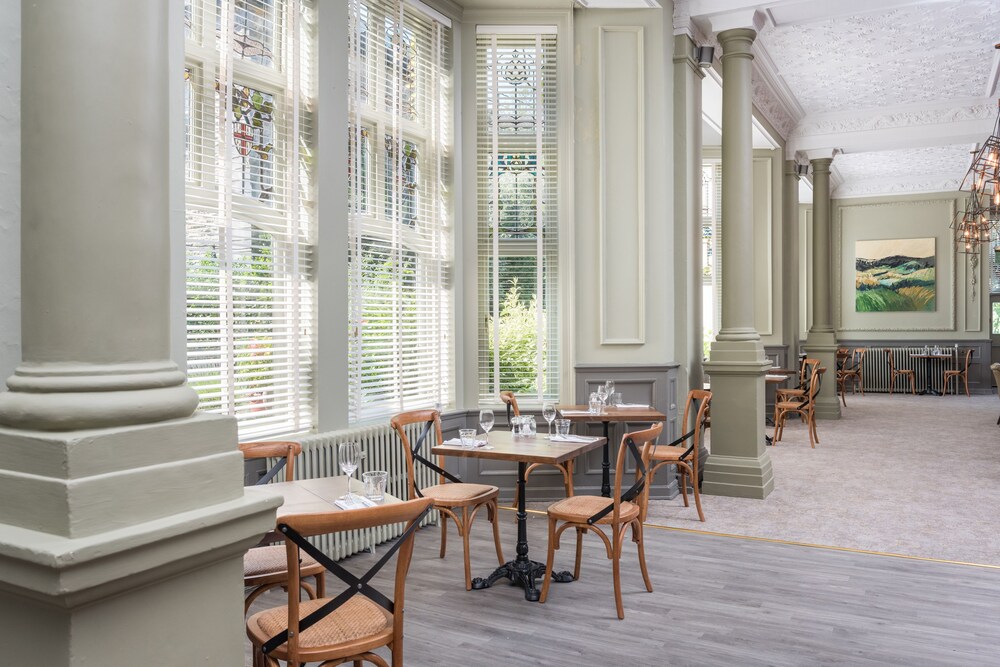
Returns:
(901, 89)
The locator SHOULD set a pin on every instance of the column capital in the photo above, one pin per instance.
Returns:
(818, 153)
(821, 164)
(737, 42)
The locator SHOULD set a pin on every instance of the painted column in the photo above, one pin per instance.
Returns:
(790, 264)
(822, 340)
(739, 464)
(687, 208)
(123, 518)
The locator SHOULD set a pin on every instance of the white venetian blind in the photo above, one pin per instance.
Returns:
(400, 257)
(517, 193)
(250, 211)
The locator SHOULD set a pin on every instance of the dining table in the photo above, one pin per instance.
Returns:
(929, 358)
(608, 415)
(524, 450)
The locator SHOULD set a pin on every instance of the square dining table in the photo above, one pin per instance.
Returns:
(505, 446)
(580, 413)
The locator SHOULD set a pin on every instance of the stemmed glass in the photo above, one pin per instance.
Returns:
(609, 386)
(602, 393)
(349, 455)
(486, 420)
(549, 413)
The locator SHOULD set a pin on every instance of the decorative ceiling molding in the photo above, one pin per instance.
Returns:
(930, 169)
(897, 117)
(884, 187)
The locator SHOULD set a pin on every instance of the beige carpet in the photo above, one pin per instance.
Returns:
(918, 476)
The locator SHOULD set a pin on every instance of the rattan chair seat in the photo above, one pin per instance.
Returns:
(263, 561)
(357, 619)
(580, 508)
(459, 493)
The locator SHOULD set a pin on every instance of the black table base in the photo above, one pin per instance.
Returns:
(521, 571)
(928, 389)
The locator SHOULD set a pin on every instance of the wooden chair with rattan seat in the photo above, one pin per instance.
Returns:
(843, 358)
(806, 369)
(804, 406)
(565, 469)
(957, 375)
(265, 568)
(621, 512)
(855, 373)
(894, 373)
(453, 498)
(349, 627)
(683, 452)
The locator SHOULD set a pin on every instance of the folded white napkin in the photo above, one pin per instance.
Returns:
(644, 406)
(574, 412)
(571, 438)
(354, 502)
(457, 442)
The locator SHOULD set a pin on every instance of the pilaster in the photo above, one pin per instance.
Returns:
(739, 464)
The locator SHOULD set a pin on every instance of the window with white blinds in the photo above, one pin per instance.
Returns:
(401, 349)
(250, 229)
(517, 194)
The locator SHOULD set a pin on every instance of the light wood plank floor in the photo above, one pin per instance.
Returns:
(717, 601)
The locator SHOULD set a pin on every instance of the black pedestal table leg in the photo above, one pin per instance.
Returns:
(606, 464)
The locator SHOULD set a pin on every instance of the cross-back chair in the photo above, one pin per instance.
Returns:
(806, 368)
(905, 373)
(804, 406)
(854, 373)
(345, 628)
(453, 498)
(264, 568)
(958, 374)
(683, 452)
(621, 512)
(566, 469)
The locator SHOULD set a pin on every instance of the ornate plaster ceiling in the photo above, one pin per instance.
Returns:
(934, 168)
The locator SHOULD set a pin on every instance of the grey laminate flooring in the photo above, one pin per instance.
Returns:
(716, 601)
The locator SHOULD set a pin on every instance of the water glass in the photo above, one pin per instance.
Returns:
(515, 426)
(595, 404)
(609, 386)
(528, 426)
(562, 426)
(549, 413)
(375, 481)
(616, 398)
(467, 436)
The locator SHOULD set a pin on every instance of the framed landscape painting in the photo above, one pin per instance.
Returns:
(895, 275)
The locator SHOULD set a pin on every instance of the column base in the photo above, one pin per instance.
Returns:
(739, 464)
(738, 476)
(823, 345)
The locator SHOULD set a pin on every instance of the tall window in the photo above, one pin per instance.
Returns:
(711, 226)
(401, 327)
(517, 158)
(250, 210)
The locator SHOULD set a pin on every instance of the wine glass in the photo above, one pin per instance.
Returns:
(549, 413)
(349, 456)
(602, 393)
(486, 420)
(609, 385)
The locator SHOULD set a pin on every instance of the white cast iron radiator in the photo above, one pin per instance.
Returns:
(876, 368)
(383, 451)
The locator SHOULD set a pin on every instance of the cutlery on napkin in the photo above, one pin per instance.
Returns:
(571, 438)
(354, 502)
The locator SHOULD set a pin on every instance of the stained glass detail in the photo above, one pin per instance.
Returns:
(252, 150)
(400, 40)
(358, 190)
(254, 23)
(517, 173)
(188, 115)
(188, 19)
(410, 180)
(520, 72)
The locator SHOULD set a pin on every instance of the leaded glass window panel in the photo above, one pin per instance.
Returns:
(252, 151)
(254, 24)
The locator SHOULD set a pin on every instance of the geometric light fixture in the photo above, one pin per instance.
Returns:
(973, 227)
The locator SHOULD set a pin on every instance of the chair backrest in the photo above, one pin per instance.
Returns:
(284, 450)
(641, 441)
(859, 358)
(968, 356)
(336, 521)
(814, 382)
(697, 406)
(432, 430)
(510, 401)
(888, 356)
(996, 375)
(809, 367)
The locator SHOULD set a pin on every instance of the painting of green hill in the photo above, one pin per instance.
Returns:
(895, 275)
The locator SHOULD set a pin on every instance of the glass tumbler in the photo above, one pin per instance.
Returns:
(562, 426)
(375, 481)
(467, 436)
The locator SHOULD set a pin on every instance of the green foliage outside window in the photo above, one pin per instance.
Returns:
(518, 344)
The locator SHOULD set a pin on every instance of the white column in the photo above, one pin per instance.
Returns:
(739, 464)
(822, 340)
(122, 517)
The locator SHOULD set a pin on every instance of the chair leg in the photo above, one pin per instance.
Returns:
(321, 585)
(913, 384)
(892, 382)
(682, 475)
(465, 548)
(637, 536)
(494, 510)
(444, 534)
(697, 495)
(966, 379)
(616, 568)
(547, 578)
(569, 479)
(579, 553)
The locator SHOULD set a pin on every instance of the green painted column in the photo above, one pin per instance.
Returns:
(688, 276)
(790, 266)
(822, 340)
(739, 464)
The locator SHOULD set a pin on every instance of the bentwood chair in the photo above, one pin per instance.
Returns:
(805, 406)
(565, 469)
(843, 363)
(348, 627)
(264, 568)
(957, 375)
(453, 498)
(683, 452)
(621, 512)
(855, 373)
(905, 373)
(806, 369)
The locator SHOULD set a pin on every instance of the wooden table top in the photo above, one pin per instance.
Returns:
(308, 496)
(943, 355)
(530, 450)
(610, 414)
(775, 379)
